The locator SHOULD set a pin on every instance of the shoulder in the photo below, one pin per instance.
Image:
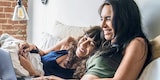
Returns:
(138, 42)
(137, 46)
(68, 39)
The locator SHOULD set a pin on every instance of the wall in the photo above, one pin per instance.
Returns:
(15, 28)
(82, 13)
(70, 12)
(150, 10)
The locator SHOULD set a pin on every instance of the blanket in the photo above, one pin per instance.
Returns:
(10, 44)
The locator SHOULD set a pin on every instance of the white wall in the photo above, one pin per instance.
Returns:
(150, 10)
(70, 12)
(82, 13)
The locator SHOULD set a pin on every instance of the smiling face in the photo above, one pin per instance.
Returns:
(85, 47)
(106, 22)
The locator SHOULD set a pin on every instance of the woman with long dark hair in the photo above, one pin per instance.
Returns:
(126, 50)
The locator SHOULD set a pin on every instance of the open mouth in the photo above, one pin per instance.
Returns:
(81, 50)
(107, 32)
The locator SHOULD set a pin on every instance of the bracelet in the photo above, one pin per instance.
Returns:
(35, 51)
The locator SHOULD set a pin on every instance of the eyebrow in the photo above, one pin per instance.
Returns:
(106, 17)
(91, 39)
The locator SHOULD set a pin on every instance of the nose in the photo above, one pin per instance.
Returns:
(84, 44)
(103, 24)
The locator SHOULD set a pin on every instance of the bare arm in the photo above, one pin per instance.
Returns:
(28, 66)
(63, 44)
(52, 77)
(131, 64)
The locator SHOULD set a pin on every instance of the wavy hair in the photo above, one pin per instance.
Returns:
(94, 33)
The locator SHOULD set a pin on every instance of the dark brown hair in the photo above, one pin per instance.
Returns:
(94, 33)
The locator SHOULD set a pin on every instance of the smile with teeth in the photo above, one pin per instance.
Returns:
(107, 31)
(82, 50)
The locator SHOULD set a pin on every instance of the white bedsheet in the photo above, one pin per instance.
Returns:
(152, 71)
(10, 44)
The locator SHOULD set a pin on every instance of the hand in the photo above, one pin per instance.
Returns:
(26, 47)
(52, 77)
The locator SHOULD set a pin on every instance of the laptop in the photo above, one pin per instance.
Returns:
(6, 67)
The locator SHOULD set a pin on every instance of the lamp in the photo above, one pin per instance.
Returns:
(20, 12)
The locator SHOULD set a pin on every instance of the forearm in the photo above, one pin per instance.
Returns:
(94, 77)
(46, 51)
(28, 66)
(32, 72)
(51, 77)
(104, 79)
(41, 52)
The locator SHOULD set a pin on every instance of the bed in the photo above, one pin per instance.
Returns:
(10, 44)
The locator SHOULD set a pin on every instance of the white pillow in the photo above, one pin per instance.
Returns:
(48, 40)
(152, 71)
(155, 42)
(59, 32)
(62, 30)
